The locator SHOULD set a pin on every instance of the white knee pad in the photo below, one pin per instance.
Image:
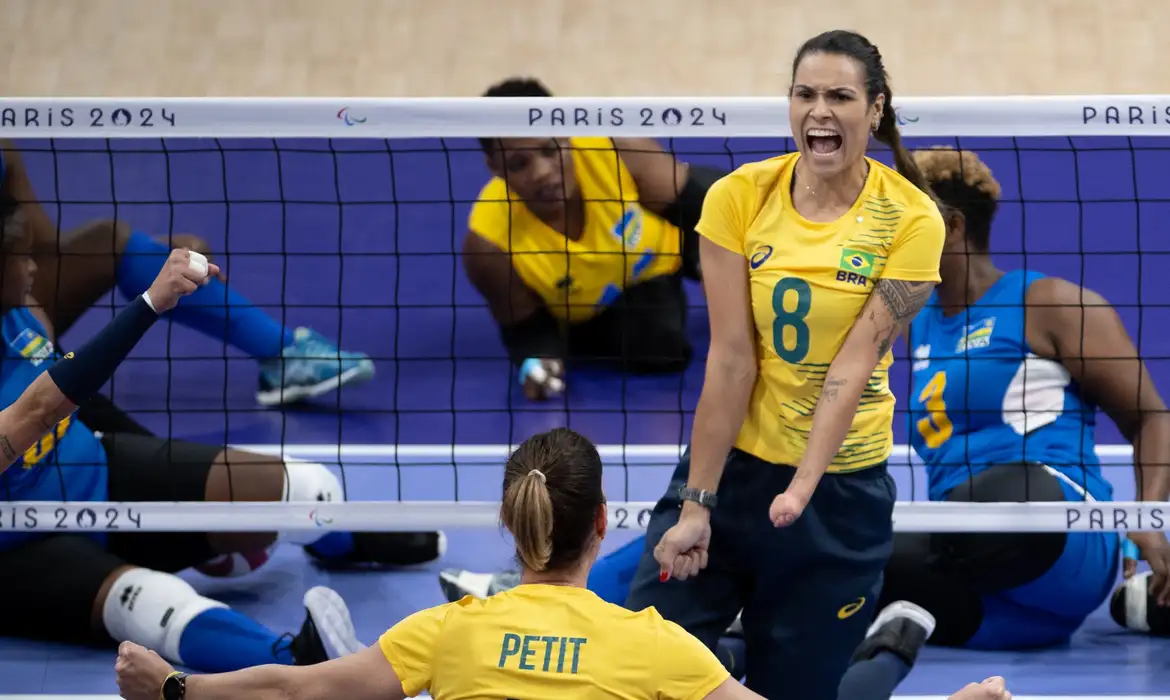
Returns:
(309, 481)
(152, 609)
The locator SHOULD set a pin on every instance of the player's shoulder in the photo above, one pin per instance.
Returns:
(762, 174)
(491, 214)
(1058, 293)
(751, 182)
(493, 193)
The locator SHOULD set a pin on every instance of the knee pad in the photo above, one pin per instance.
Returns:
(152, 609)
(1134, 608)
(309, 482)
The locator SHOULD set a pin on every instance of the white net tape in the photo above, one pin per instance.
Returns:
(388, 516)
(1067, 116)
(426, 515)
(1093, 115)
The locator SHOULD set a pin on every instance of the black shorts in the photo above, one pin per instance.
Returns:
(949, 574)
(49, 586)
(807, 591)
(644, 330)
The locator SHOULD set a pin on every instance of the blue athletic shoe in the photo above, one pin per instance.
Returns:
(308, 368)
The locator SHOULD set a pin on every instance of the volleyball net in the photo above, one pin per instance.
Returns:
(348, 216)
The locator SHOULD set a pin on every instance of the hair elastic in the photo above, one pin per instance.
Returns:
(543, 478)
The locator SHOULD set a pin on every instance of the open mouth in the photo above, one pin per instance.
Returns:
(551, 193)
(823, 142)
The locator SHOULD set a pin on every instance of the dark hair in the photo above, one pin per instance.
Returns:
(877, 82)
(965, 183)
(513, 87)
(8, 209)
(552, 488)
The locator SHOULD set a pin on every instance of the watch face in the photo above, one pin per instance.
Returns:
(173, 688)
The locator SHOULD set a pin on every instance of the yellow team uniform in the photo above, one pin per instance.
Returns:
(809, 282)
(622, 243)
(543, 642)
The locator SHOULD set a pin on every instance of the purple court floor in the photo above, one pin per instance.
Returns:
(357, 239)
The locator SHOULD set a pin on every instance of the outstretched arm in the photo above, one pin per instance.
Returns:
(527, 328)
(366, 675)
(79, 375)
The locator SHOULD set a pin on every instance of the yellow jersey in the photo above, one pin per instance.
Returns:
(541, 641)
(621, 244)
(809, 282)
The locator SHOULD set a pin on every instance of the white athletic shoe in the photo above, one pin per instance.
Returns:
(328, 617)
(457, 583)
(901, 628)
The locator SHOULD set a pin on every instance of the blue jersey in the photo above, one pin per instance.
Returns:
(69, 462)
(981, 397)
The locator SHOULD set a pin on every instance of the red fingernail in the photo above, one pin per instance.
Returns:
(663, 577)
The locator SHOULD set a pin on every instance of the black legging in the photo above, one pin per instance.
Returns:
(644, 331)
(949, 573)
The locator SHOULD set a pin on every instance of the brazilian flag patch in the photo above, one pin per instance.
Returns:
(857, 261)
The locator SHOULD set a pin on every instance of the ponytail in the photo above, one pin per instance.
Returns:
(889, 134)
(527, 512)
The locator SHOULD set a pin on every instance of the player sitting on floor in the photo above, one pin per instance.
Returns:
(1009, 369)
(121, 584)
(79, 267)
(580, 247)
(547, 638)
(1046, 353)
(71, 588)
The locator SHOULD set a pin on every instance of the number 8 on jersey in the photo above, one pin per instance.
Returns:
(790, 325)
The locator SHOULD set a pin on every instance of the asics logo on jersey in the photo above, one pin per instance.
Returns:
(760, 256)
(851, 609)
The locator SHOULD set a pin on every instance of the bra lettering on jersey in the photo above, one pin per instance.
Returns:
(976, 336)
(546, 654)
(855, 267)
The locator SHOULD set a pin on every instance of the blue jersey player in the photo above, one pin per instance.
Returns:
(1009, 369)
(121, 585)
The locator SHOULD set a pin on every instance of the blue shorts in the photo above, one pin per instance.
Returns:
(1047, 611)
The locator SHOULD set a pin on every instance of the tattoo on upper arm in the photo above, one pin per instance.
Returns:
(903, 300)
(10, 454)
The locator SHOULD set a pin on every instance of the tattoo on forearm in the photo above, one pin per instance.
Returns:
(9, 453)
(903, 300)
(832, 387)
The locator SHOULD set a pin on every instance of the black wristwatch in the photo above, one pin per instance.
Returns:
(174, 687)
(705, 498)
